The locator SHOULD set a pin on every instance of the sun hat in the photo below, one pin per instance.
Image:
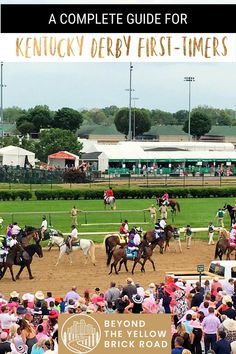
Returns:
(129, 280)
(14, 294)
(147, 293)
(180, 285)
(223, 293)
(4, 335)
(39, 295)
(53, 314)
(97, 289)
(216, 279)
(28, 296)
(229, 324)
(152, 285)
(226, 299)
(137, 299)
(45, 317)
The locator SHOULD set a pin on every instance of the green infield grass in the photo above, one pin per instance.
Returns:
(197, 212)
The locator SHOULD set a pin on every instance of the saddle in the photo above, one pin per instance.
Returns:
(131, 254)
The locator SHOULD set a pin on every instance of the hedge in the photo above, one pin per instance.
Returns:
(13, 195)
(141, 193)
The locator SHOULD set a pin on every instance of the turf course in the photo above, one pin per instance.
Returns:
(197, 212)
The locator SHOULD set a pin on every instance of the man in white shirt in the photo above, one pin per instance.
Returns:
(44, 226)
(73, 237)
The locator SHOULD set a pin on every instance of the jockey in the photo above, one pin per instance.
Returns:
(16, 229)
(44, 226)
(73, 237)
(165, 198)
(124, 229)
(159, 228)
(108, 193)
(134, 240)
(9, 230)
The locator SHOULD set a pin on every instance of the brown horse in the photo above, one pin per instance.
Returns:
(26, 235)
(110, 241)
(162, 242)
(10, 260)
(223, 246)
(172, 203)
(145, 251)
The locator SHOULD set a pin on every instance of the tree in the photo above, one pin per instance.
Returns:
(11, 114)
(41, 117)
(54, 140)
(181, 116)
(200, 124)
(67, 118)
(142, 121)
(161, 117)
(26, 128)
(98, 116)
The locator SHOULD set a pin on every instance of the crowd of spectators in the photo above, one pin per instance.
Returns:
(203, 316)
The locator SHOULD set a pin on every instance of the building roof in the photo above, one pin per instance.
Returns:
(90, 155)
(15, 150)
(96, 129)
(63, 155)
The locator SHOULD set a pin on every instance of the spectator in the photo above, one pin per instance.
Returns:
(222, 346)
(178, 346)
(210, 326)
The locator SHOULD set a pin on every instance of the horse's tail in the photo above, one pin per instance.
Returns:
(104, 244)
(92, 252)
(178, 206)
(110, 254)
(216, 250)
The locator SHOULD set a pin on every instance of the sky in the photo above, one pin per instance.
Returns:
(98, 85)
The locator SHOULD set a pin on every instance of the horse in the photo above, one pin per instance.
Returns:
(145, 251)
(232, 212)
(10, 259)
(32, 249)
(222, 244)
(173, 204)
(111, 201)
(162, 242)
(25, 236)
(109, 242)
(87, 246)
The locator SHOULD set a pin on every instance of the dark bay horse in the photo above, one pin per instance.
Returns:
(172, 203)
(26, 235)
(109, 242)
(162, 242)
(119, 255)
(232, 212)
(30, 250)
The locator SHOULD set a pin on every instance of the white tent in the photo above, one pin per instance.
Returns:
(14, 156)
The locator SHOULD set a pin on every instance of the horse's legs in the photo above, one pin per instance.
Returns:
(12, 275)
(59, 257)
(29, 271)
(135, 262)
(20, 271)
(3, 272)
(121, 262)
(153, 265)
(126, 268)
(228, 255)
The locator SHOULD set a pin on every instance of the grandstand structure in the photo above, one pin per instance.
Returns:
(138, 157)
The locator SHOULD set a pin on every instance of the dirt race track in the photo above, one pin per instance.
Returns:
(60, 279)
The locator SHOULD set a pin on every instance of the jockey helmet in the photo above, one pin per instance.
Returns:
(139, 230)
(44, 217)
(234, 227)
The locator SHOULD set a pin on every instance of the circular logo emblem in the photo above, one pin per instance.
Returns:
(80, 333)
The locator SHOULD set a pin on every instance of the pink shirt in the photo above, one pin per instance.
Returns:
(215, 285)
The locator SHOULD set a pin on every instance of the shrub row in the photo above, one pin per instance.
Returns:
(141, 193)
(13, 195)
